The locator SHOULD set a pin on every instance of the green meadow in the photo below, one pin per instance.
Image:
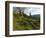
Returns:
(22, 21)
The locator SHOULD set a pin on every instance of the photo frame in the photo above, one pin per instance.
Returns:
(24, 18)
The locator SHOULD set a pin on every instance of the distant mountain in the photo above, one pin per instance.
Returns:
(36, 16)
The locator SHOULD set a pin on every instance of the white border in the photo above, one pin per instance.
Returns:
(11, 32)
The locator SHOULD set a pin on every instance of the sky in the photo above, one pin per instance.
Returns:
(32, 10)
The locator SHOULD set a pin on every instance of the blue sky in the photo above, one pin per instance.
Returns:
(32, 10)
(28, 10)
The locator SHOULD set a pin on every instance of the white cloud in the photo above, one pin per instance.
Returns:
(33, 11)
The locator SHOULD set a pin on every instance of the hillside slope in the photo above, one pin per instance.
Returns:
(24, 22)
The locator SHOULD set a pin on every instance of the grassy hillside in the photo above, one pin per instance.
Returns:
(24, 22)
